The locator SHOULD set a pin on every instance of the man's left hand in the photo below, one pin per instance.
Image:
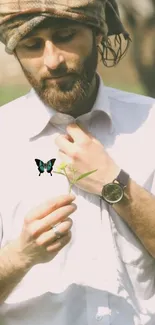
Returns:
(85, 153)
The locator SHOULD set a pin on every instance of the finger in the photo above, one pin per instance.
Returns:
(59, 244)
(65, 145)
(49, 236)
(63, 157)
(68, 137)
(48, 207)
(78, 134)
(55, 217)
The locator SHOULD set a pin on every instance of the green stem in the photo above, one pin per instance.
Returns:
(70, 184)
(70, 187)
(66, 175)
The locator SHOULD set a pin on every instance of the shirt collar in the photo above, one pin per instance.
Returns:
(38, 115)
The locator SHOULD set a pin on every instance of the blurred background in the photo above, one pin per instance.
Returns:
(135, 73)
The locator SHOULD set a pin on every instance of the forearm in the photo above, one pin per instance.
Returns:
(138, 211)
(13, 266)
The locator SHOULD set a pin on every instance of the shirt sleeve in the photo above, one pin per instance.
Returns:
(1, 229)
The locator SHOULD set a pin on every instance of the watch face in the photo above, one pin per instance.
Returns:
(112, 193)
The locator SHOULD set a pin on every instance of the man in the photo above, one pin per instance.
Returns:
(86, 257)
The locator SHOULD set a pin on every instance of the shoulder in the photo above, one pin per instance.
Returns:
(125, 97)
(12, 124)
(131, 109)
(12, 114)
(12, 107)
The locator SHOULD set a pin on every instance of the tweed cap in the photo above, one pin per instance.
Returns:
(19, 17)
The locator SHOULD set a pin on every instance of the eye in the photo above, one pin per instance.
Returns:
(64, 36)
(35, 44)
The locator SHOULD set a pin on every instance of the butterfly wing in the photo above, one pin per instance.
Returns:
(41, 165)
(49, 165)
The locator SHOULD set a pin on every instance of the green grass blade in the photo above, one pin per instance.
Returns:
(85, 175)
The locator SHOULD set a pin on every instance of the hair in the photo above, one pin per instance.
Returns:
(113, 49)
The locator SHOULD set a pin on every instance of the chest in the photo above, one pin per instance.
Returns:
(22, 181)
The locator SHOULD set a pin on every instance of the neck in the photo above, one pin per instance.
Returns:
(86, 105)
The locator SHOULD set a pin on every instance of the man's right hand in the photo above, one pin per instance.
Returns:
(38, 242)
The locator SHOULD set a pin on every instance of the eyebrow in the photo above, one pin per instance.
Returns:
(57, 25)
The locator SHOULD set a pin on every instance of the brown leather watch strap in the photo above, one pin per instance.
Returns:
(122, 178)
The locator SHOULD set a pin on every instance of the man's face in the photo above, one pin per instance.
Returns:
(59, 59)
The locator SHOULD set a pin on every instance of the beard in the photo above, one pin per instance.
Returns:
(67, 96)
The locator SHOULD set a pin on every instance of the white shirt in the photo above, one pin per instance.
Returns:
(104, 275)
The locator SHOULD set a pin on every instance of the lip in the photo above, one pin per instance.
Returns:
(60, 78)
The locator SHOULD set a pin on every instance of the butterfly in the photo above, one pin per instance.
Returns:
(45, 166)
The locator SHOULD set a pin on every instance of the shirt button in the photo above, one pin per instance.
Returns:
(99, 318)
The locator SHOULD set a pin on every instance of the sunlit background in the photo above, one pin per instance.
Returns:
(135, 73)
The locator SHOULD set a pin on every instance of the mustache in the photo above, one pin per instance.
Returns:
(58, 73)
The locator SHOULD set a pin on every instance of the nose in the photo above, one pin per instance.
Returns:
(52, 56)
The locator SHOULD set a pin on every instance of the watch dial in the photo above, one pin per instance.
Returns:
(112, 193)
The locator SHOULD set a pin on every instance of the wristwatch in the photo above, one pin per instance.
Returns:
(114, 192)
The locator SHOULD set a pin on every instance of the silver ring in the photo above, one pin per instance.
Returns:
(56, 232)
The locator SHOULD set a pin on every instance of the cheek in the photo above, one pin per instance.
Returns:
(76, 58)
(80, 48)
(84, 45)
(34, 66)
